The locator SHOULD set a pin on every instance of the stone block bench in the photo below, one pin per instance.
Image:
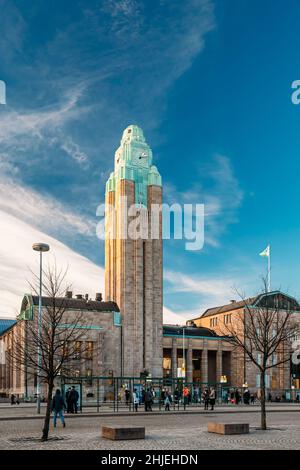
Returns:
(117, 433)
(228, 428)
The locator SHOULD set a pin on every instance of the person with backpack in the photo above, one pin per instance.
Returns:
(58, 406)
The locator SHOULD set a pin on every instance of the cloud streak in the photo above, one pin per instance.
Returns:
(219, 190)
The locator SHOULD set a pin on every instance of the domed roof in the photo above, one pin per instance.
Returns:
(133, 133)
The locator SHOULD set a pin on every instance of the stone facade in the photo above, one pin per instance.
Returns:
(99, 352)
(133, 259)
(227, 317)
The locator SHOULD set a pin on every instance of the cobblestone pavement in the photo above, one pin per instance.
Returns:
(185, 432)
(29, 410)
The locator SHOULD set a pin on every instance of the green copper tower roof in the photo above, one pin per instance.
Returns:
(133, 161)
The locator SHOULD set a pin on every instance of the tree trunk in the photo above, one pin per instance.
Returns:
(48, 412)
(263, 401)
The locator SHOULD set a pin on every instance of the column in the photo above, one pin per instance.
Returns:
(204, 363)
(189, 362)
(174, 358)
(219, 369)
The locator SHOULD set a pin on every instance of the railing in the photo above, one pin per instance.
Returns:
(116, 394)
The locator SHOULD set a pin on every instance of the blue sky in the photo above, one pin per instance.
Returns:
(210, 84)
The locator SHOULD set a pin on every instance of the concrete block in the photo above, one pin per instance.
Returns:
(117, 433)
(228, 428)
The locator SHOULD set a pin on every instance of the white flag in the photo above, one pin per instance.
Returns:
(266, 252)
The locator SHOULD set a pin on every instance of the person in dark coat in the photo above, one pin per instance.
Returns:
(58, 406)
(237, 397)
(247, 397)
(205, 398)
(74, 396)
(69, 401)
(127, 396)
(148, 400)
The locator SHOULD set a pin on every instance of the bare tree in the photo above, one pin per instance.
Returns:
(264, 335)
(61, 330)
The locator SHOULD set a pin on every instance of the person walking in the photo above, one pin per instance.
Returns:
(205, 398)
(212, 398)
(168, 401)
(58, 406)
(69, 401)
(135, 400)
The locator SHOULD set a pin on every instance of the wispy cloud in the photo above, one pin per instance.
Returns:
(42, 211)
(206, 291)
(219, 189)
(37, 130)
(17, 260)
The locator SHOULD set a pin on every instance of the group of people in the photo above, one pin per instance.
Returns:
(14, 400)
(72, 397)
(209, 398)
(58, 404)
(147, 398)
(235, 397)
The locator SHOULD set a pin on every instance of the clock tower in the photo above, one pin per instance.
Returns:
(133, 260)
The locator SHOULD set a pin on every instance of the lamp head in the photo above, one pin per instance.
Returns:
(40, 247)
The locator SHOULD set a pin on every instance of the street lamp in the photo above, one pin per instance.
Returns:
(41, 248)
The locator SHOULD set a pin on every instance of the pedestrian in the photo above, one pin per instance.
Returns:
(212, 398)
(168, 401)
(252, 398)
(148, 400)
(74, 396)
(186, 393)
(237, 397)
(69, 401)
(135, 400)
(127, 396)
(176, 395)
(205, 398)
(12, 399)
(246, 397)
(58, 406)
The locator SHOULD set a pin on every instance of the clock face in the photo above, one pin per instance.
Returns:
(140, 157)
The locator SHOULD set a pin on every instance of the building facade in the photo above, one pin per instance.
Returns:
(229, 317)
(97, 352)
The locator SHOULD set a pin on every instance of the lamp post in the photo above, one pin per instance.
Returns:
(183, 368)
(41, 248)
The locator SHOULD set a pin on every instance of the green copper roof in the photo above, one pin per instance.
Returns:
(133, 161)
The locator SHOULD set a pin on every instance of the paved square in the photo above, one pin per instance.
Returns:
(184, 432)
